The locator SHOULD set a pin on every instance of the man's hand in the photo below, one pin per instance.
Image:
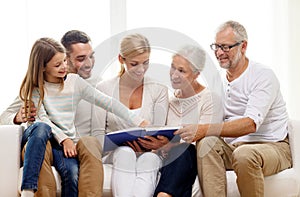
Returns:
(190, 133)
(69, 148)
(22, 117)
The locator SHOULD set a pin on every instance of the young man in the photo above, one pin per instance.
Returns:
(254, 139)
(80, 60)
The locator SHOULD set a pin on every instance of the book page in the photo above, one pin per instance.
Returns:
(162, 128)
(125, 130)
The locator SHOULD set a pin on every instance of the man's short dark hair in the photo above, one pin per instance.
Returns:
(74, 37)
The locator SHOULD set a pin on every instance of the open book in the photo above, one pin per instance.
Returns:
(119, 138)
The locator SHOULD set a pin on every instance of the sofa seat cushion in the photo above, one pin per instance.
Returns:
(276, 185)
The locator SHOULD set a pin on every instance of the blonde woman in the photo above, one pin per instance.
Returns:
(135, 174)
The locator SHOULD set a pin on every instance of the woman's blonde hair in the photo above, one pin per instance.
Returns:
(133, 45)
(41, 53)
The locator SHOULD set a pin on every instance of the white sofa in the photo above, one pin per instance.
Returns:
(283, 184)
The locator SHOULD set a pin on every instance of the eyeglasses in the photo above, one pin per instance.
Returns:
(224, 48)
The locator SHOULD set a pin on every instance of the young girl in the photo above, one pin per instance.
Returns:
(56, 96)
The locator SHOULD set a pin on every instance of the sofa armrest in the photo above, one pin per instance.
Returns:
(294, 139)
(10, 140)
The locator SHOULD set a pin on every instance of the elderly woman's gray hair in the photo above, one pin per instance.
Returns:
(194, 55)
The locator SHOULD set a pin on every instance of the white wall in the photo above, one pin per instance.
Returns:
(271, 25)
(293, 64)
(13, 51)
(273, 28)
(24, 21)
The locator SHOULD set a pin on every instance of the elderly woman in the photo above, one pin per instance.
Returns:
(191, 103)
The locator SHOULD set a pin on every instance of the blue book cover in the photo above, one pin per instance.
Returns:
(119, 138)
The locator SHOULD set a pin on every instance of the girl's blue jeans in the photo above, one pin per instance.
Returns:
(35, 137)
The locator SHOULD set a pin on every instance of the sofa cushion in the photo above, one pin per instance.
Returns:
(10, 140)
(285, 183)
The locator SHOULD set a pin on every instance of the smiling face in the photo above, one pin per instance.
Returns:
(81, 60)
(181, 73)
(56, 68)
(230, 59)
(136, 66)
